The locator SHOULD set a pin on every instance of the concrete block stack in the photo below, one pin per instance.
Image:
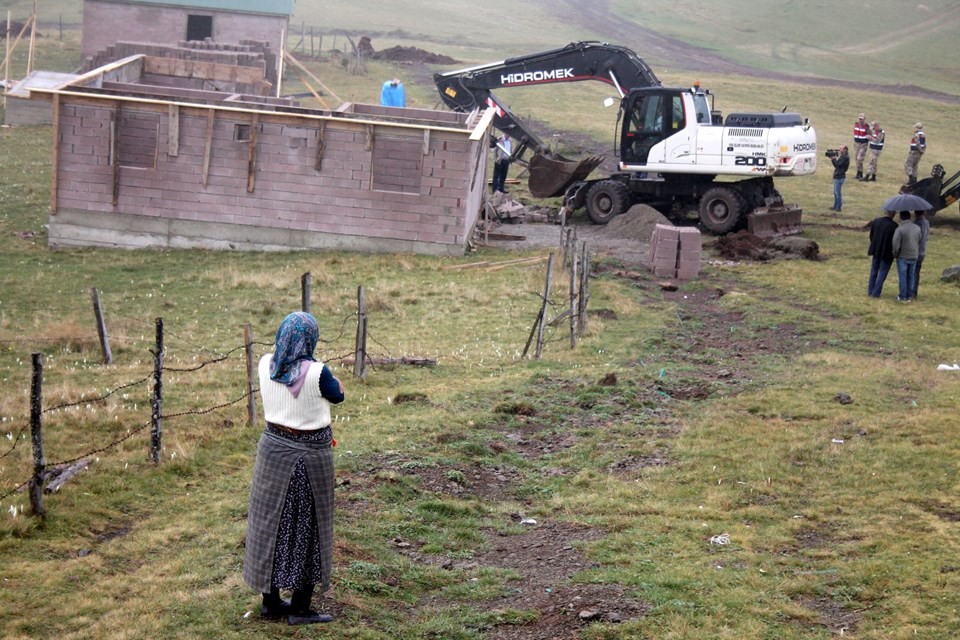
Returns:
(675, 252)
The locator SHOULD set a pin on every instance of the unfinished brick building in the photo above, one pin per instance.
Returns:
(160, 165)
(172, 21)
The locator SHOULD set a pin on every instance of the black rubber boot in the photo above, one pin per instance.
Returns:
(912, 180)
(300, 611)
(873, 177)
(859, 175)
(274, 606)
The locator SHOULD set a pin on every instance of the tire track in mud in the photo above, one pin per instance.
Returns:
(595, 15)
(948, 18)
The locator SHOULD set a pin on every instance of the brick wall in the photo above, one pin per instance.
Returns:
(383, 191)
(104, 23)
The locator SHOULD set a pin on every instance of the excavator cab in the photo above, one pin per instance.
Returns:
(652, 115)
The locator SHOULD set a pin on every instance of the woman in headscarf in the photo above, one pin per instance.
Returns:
(289, 543)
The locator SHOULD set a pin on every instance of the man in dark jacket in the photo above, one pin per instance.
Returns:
(881, 248)
(841, 162)
(906, 249)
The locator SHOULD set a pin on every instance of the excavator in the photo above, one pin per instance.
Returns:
(676, 152)
(935, 190)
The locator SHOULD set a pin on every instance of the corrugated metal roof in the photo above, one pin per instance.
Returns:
(272, 7)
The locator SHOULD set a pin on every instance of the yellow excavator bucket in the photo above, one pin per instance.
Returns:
(551, 174)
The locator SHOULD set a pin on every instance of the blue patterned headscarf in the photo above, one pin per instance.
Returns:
(296, 339)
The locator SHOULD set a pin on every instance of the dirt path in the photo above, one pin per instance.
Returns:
(946, 19)
(595, 15)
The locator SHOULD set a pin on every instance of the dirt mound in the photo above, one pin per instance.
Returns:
(412, 54)
(637, 223)
(743, 245)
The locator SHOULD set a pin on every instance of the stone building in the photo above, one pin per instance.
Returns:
(173, 21)
(166, 165)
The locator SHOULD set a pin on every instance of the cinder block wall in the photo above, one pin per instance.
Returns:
(104, 23)
(379, 187)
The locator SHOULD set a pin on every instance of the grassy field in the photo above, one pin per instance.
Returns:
(722, 421)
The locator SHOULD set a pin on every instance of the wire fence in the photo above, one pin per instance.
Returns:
(48, 477)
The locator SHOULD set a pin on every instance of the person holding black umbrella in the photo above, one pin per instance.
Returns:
(882, 229)
(906, 249)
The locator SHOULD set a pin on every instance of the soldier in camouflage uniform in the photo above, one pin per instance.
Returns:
(861, 138)
(918, 144)
(877, 137)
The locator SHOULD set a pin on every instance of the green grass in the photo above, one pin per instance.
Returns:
(821, 534)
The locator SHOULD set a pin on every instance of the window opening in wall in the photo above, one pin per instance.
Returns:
(199, 27)
(396, 164)
(137, 138)
(241, 132)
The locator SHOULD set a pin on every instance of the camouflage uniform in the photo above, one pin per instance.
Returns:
(877, 137)
(918, 144)
(861, 138)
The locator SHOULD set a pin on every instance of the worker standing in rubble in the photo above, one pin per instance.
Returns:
(918, 144)
(861, 138)
(501, 163)
(877, 137)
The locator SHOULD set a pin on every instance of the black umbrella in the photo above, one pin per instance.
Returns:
(906, 202)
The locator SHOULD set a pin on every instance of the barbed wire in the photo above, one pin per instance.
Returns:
(3, 496)
(225, 356)
(200, 412)
(16, 441)
(106, 447)
(106, 395)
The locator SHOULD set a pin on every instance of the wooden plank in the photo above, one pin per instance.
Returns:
(252, 154)
(321, 145)
(173, 131)
(115, 151)
(213, 71)
(296, 63)
(208, 147)
(368, 137)
(54, 170)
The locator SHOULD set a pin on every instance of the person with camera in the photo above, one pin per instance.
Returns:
(841, 162)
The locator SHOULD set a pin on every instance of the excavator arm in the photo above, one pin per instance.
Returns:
(550, 173)
(939, 192)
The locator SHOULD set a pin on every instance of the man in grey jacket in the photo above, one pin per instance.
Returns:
(906, 249)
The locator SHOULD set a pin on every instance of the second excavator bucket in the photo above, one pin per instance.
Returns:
(775, 221)
(551, 174)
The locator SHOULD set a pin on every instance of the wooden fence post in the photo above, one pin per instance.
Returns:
(584, 286)
(360, 357)
(305, 281)
(539, 326)
(101, 327)
(251, 398)
(156, 402)
(36, 437)
(574, 280)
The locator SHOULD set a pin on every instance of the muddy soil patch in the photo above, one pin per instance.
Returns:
(545, 558)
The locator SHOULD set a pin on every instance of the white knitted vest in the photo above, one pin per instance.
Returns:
(308, 411)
